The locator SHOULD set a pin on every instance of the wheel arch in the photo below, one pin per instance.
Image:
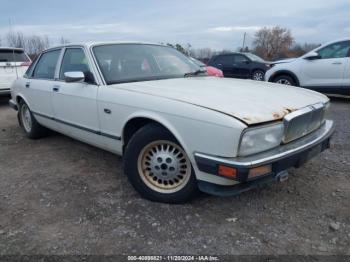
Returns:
(137, 121)
(285, 72)
(19, 98)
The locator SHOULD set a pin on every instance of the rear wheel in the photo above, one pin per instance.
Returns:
(158, 167)
(285, 80)
(29, 124)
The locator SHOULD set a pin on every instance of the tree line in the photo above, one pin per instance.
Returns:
(32, 44)
(270, 43)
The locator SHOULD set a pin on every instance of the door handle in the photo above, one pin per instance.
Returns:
(56, 88)
(337, 63)
(27, 85)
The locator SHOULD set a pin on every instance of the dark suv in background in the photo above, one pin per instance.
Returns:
(240, 65)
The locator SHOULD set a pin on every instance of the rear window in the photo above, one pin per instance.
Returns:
(45, 68)
(13, 56)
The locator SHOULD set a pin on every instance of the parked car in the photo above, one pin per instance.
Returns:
(211, 71)
(325, 69)
(240, 65)
(13, 62)
(177, 129)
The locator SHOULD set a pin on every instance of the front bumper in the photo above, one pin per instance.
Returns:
(293, 154)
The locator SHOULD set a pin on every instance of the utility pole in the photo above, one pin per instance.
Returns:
(245, 33)
(10, 25)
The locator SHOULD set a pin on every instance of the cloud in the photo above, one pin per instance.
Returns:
(216, 25)
(234, 29)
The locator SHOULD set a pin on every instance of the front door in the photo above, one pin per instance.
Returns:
(328, 70)
(74, 103)
(241, 66)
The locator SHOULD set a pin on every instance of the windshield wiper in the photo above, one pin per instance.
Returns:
(195, 73)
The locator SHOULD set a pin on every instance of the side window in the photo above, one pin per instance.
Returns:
(74, 59)
(225, 60)
(46, 66)
(336, 50)
(241, 59)
(30, 69)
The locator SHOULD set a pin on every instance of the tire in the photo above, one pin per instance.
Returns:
(285, 80)
(28, 122)
(158, 167)
(258, 75)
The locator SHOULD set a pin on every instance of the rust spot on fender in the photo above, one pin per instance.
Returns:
(285, 111)
(276, 115)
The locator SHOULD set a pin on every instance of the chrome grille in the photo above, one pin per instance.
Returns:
(303, 122)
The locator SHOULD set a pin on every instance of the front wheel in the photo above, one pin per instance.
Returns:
(158, 167)
(284, 80)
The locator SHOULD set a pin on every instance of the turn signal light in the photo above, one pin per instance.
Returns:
(259, 171)
(228, 172)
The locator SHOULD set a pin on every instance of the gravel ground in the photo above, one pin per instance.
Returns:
(60, 196)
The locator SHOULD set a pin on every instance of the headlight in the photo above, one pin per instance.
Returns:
(326, 111)
(255, 140)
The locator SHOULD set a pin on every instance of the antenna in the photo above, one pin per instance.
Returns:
(14, 59)
(245, 34)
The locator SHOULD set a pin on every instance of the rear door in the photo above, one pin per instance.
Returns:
(13, 63)
(225, 64)
(39, 82)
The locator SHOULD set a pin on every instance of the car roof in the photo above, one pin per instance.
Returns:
(11, 48)
(337, 40)
(95, 43)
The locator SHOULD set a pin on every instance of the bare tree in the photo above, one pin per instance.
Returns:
(36, 44)
(272, 43)
(32, 44)
(16, 39)
(64, 41)
(203, 53)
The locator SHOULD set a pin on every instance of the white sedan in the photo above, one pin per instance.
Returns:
(178, 129)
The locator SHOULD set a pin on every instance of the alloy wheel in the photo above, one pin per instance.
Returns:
(164, 166)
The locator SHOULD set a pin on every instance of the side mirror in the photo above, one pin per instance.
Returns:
(70, 77)
(312, 56)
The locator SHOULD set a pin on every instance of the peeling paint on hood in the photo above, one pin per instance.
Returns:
(250, 101)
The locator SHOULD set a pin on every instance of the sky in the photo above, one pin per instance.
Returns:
(216, 24)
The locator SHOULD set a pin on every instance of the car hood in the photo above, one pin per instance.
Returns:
(284, 61)
(250, 101)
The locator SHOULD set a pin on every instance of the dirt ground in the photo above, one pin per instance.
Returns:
(60, 196)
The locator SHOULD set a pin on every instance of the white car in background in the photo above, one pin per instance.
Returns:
(14, 63)
(325, 69)
(178, 129)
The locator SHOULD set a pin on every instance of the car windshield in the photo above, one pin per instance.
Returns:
(197, 62)
(255, 57)
(122, 63)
